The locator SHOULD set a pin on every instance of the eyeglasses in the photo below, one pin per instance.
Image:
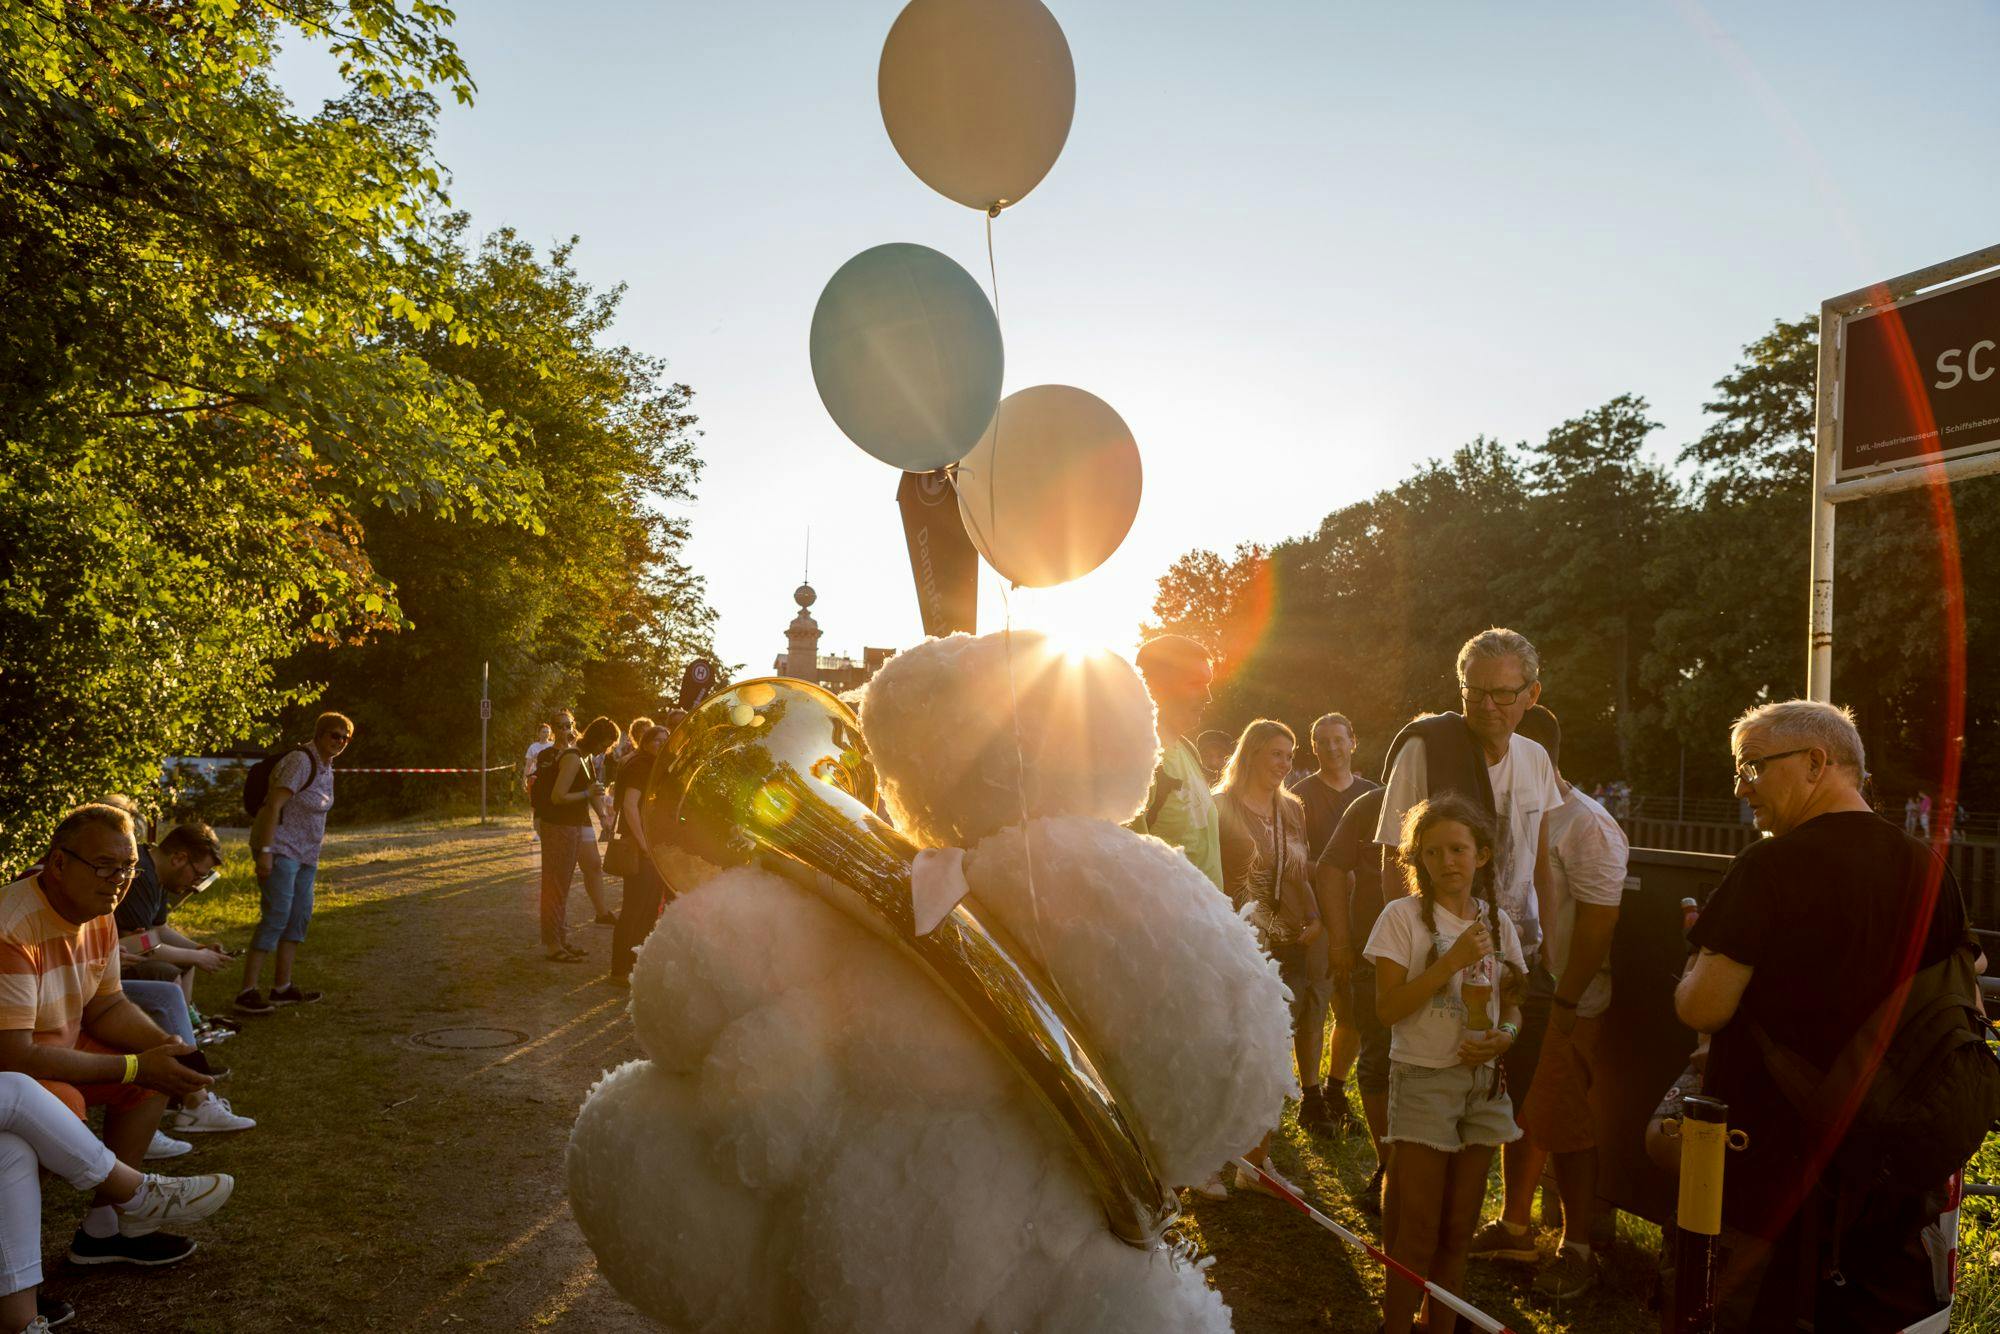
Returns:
(117, 872)
(1504, 697)
(339, 736)
(1750, 771)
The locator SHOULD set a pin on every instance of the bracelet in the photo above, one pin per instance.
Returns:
(1512, 1031)
(131, 1068)
(1563, 1004)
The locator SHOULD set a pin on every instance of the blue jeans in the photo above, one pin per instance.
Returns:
(165, 1004)
(287, 895)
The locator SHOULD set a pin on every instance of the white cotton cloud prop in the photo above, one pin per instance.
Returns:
(822, 1141)
(1201, 1064)
(847, 1152)
(944, 736)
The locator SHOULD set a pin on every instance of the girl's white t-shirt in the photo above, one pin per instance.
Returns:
(1431, 1035)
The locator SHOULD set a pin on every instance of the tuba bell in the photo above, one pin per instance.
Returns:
(775, 772)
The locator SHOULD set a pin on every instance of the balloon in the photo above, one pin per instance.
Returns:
(1052, 488)
(977, 96)
(906, 353)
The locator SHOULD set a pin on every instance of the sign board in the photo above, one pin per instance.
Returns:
(485, 710)
(1920, 379)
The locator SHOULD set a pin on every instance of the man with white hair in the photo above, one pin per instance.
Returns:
(1480, 755)
(1808, 933)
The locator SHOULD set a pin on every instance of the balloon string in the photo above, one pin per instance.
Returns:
(1013, 688)
(993, 458)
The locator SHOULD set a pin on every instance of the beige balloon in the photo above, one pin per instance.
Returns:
(977, 96)
(1052, 488)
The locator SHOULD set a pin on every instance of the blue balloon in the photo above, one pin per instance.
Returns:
(906, 353)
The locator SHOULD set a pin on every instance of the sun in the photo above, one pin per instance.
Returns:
(1078, 619)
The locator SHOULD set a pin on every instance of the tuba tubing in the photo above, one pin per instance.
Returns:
(775, 772)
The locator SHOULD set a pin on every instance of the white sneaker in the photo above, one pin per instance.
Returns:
(1249, 1181)
(175, 1200)
(1213, 1189)
(213, 1114)
(166, 1146)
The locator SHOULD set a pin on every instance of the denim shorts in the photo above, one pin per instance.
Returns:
(287, 902)
(1449, 1109)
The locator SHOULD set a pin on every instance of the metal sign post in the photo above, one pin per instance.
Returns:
(1909, 396)
(485, 716)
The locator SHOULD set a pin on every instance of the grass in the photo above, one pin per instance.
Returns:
(389, 1185)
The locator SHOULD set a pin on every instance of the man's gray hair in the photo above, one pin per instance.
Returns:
(83, 816)
(1806, 722)
(1501, 643)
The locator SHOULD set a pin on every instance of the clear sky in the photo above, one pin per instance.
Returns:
(1300, 245)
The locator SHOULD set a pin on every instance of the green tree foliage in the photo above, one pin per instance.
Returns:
(222, 362)
(1662, 608)
(597, 609)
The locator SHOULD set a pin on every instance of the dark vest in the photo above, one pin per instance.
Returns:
(1453, 760)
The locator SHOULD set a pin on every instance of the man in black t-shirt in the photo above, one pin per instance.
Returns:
(1327, 792)
(1334, 786)
(1807, 934)
(1348, 875)
(150, 950)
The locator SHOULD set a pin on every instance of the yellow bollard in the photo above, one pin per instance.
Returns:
(1705, 1136)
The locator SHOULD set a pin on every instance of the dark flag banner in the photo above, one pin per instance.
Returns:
(942, 558)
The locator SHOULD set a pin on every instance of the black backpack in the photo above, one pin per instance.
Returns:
(542, 791)
(1931, 1101)
(257, 783)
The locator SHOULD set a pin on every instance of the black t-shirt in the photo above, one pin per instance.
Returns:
(1324, 807)
(1352, 848)
(145, 903)
(1832, 916)
(635, 771)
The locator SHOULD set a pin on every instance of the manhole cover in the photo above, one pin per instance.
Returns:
(468, 1039)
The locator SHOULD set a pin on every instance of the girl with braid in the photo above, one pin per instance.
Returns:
(1448, 1104)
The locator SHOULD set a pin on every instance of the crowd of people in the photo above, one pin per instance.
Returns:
(1455, 924)
(585, 788)
(98, 1010)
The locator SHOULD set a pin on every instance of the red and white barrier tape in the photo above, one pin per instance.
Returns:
(494, 769)
(1456, 1303)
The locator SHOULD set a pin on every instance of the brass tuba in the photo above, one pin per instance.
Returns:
(775, 772)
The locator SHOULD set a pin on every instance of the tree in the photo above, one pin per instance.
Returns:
(1598, 511)
(599, 599)
(222, 366)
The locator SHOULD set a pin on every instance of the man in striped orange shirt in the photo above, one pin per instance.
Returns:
(64, 1019)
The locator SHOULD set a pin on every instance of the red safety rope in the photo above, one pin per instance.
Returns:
(1456, 1303)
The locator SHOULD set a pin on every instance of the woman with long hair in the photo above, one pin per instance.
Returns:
(576, 787)
(1450, 1018)
(1262, 828)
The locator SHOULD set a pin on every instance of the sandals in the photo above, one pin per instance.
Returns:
(566, 955)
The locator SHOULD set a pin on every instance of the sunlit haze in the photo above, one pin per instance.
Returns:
(1298, 246)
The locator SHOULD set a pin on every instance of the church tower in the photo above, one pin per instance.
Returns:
(802, 638)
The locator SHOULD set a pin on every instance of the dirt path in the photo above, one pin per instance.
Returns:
(391, 1184)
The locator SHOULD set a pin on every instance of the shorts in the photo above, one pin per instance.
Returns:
(79, 1097)
(1304, 971)
(1521, 1059)
(1448, 1110)
(148, 970)
(1371, 1065)
(1555, 1113)
(286, 902)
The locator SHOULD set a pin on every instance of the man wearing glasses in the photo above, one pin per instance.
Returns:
(285, 839)
(66, 1021)
(1808, 933)
(186, 861)
(1478, 754)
